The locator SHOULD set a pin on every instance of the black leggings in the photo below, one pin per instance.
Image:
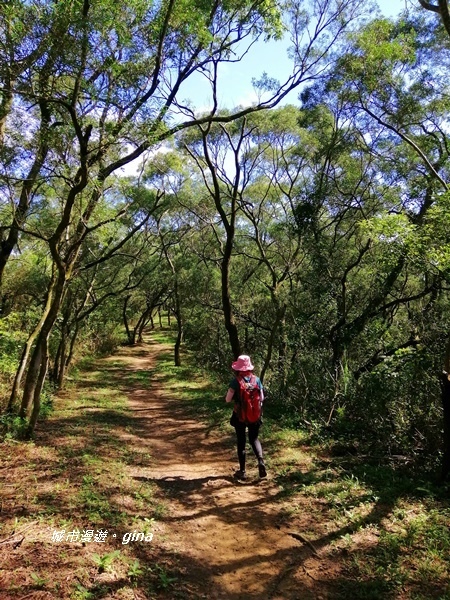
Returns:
(253, 431)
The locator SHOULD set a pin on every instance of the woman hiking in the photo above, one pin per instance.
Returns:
(247, 392)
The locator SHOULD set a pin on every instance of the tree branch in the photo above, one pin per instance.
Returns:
(378, 358)
(409, 141)
(429, 6)
(445, 14)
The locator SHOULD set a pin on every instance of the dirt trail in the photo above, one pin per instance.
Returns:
(225, 537)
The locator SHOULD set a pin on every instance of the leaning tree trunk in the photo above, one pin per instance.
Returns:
(59, 364)
(142, 323)
(125, 319)
(134, 336)
(72, 343)
(39, 355)
(37, 396)
(148, 319)
(40, 352)
(29, 344)
(20, 370)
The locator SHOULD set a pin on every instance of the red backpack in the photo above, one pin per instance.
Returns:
(249, 407)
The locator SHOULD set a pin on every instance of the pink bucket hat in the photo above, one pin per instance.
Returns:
(243, 363)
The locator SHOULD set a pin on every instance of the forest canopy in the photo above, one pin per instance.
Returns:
(312, 235)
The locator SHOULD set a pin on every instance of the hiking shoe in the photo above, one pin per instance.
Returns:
(262, 469)
(240, 475)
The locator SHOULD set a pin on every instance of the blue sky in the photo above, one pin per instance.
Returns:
(235, 86)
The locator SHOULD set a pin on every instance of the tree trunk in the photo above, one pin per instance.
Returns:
(60, 364)
(177, 347)
(32, 376)
(279, 317)
(138, 330)
(282, 370)
(134, 332)
(445, 396)
(142, 323)
(179, 318)
(5, 106)
(125, 319)
(142, 328)
(39, 355)
(73, 340)
(218, 345)
(230, 324)
(20, 371)
(37, 395)
(29, 344)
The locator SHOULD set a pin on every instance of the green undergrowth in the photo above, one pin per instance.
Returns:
(387, 527)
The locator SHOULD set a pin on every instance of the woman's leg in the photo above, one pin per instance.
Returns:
(253, 431)
(240, 437)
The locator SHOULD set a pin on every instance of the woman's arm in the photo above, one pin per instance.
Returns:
(229, 396)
